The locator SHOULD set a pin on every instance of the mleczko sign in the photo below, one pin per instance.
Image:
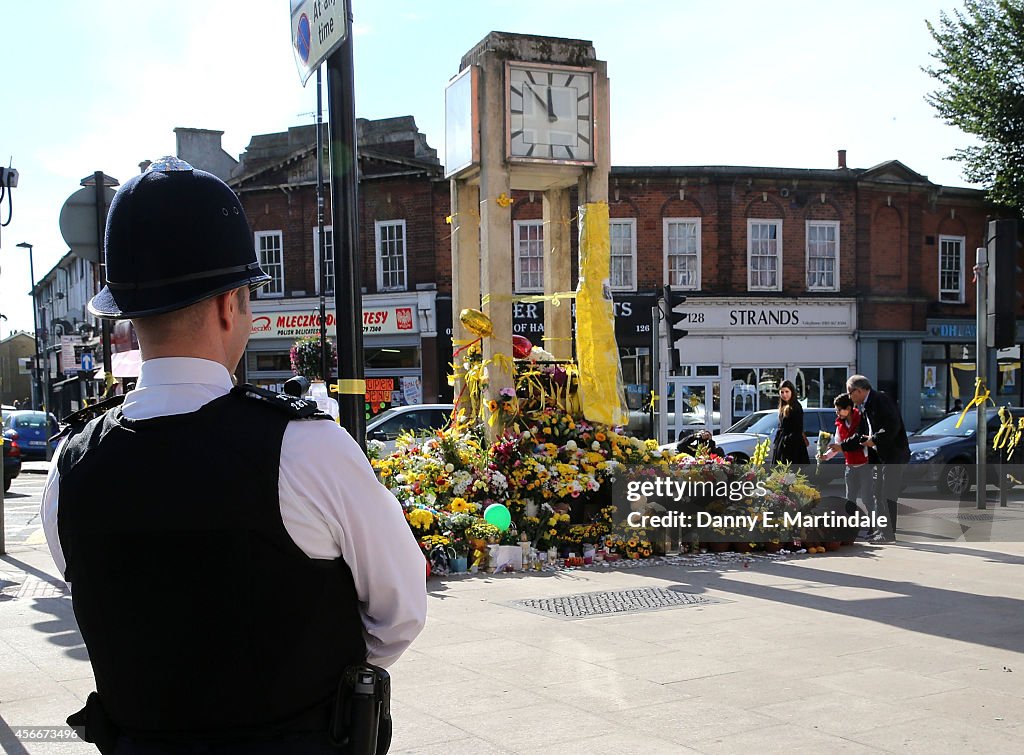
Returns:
(376, 321)
(763, 316)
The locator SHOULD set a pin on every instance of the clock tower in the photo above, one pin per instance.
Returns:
(525, 113)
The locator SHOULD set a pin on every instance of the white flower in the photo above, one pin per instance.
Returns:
(571, 446)
(595, 446)
(449, 468)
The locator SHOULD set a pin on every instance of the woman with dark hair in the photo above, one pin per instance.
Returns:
(790, 441)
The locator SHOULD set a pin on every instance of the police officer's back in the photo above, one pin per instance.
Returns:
(230, 552)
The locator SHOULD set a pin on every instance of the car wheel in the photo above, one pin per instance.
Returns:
(955, 479)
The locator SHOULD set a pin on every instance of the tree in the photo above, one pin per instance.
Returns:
(981, 72)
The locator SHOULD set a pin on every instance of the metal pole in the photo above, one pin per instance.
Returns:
(981, 358)
(325, 353)
(38, 393)
(101, 222)
(655, 371)
(344, 206)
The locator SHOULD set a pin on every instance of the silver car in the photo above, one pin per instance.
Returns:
(420, 419)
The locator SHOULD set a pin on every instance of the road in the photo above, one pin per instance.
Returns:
(21, 507)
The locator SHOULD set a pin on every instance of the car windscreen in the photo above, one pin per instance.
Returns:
(756, 423)
(946, 427)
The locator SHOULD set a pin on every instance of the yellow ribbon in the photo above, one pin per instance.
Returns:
(349, 387)
(981, 395)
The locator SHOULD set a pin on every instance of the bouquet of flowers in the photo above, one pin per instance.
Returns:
(824, 452)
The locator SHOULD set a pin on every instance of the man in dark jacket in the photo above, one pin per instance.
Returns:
(883, 435)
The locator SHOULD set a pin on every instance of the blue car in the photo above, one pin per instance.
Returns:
(32, 430)
(944, 455)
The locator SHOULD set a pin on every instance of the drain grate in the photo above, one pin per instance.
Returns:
(984, 517)
(611, 602)
(34, 587)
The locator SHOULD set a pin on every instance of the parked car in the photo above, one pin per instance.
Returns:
(12, 461)
(419, 419)
(740, 440)
(944, 455)
(33, 430)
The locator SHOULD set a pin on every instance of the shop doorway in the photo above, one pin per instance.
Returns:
(690, 404)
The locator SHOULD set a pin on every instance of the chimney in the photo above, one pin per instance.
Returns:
(842, 158)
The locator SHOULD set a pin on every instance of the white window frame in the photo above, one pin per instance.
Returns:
(517, 228)
(751, 222)
(834, 224)
(948, 295)
(666, 224)
(275, 269)
(331, 265)
(404, 284)
(631, 224)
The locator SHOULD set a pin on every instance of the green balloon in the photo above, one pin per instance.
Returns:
(498, 515)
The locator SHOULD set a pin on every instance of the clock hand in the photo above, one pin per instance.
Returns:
(551, 108)
(539, 98)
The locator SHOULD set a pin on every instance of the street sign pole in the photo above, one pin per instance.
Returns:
(325, 352)
(344, 206)
(981, 357)
(101, 222)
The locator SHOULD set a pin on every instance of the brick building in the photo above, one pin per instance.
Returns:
(802, 274)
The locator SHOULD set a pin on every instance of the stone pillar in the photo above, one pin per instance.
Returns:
(465, 266)
(557, 273)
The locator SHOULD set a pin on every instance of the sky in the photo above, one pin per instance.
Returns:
(101, 85)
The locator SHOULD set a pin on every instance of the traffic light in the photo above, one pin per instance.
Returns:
(672, 300)
(1003, 289)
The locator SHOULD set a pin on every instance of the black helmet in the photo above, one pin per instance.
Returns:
(175, 236)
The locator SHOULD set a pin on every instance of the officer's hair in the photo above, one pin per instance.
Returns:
(182, 321)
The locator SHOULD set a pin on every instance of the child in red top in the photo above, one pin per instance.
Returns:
(858, 475)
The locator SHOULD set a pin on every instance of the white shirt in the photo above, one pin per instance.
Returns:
(331, 503)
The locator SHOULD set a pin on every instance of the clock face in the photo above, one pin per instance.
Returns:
(551, 113)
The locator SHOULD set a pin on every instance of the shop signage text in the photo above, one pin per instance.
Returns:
(759, 316)
(376, 321)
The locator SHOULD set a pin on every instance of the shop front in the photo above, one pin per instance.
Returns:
(743, 348)
(396, 332)
(948, 368)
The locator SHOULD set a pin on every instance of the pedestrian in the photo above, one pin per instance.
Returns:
(958, 406)
(690, 442)
(885, 438)
(231, 555)
(858, 471)
(790, 441)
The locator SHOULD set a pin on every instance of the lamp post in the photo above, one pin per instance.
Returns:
(37, 394)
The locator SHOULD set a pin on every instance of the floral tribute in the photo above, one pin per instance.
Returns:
(554, 471)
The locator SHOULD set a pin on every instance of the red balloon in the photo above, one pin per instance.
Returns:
(521, 347)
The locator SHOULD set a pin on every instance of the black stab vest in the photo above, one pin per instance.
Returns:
(203, 620)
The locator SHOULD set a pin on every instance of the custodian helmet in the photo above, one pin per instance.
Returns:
(175, 236)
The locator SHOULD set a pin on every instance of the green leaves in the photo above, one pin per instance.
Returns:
(980, 71)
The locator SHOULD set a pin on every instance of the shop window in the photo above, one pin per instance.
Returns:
(623, 254)
(817, 387)
(933, 388)
(270, 246)
(390, 357)
(764, 253)
(391, 267)
(951, 269)
(754, 388)
(1008, 385)
(268, 361)
(822, 255)
(529, 235)
(682, 253)
(328, 258)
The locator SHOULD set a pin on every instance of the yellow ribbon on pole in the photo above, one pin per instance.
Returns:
(981, 395)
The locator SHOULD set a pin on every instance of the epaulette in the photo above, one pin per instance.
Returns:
(298, 408)
(77, 420)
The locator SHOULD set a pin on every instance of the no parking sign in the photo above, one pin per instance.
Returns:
(318, 29)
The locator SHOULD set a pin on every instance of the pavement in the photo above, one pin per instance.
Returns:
(916, 646)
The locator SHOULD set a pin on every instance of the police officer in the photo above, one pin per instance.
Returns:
(230, 552)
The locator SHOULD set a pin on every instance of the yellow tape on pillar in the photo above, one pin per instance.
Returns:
(602, 397)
